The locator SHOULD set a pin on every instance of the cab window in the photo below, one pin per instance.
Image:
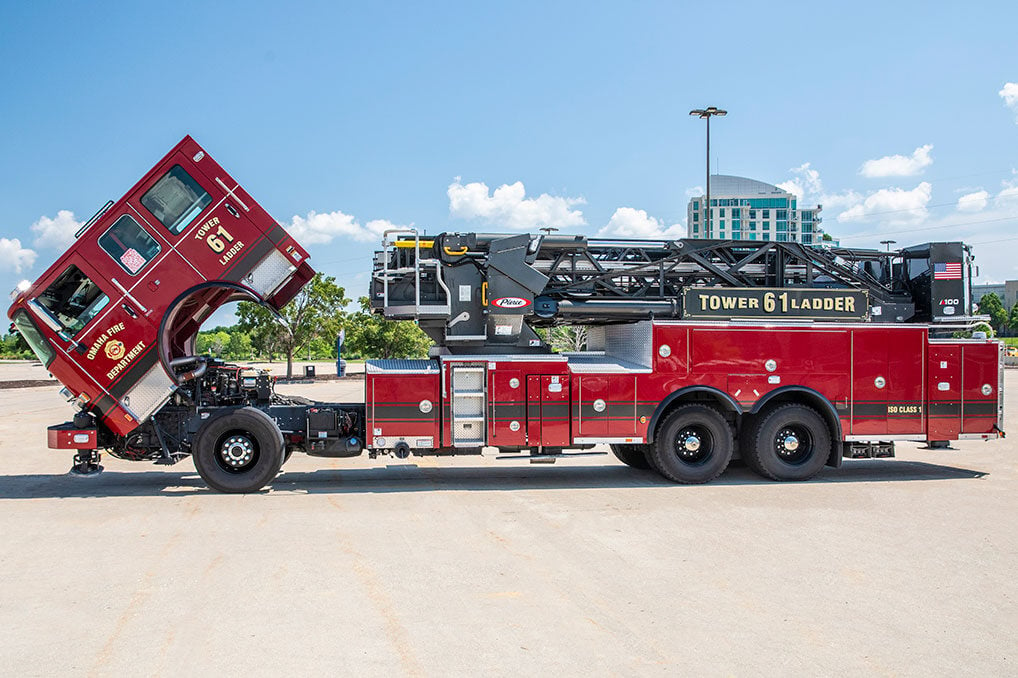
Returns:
(176, 199)
(73, 300)
(40, 347)
(129, 244)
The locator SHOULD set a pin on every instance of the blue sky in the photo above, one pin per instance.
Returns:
(900, 118)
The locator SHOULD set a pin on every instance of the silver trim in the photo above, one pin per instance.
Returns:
(230, 192)
(634, 440)
(527, 358)
(128, 295)
(880, 437)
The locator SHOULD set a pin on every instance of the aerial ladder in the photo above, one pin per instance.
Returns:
(479, 292)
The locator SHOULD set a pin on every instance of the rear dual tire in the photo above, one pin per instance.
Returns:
(791, 442)
(693, 445)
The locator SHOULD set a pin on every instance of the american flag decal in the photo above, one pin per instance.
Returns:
(947, 271)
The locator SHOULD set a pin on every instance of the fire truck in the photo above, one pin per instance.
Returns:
(698, 352)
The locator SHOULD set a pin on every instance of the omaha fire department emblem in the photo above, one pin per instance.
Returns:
(114, 349)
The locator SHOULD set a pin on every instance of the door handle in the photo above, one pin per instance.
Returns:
(232, 210)
(130, 311)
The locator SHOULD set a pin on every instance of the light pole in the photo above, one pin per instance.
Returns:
(888, 243)
(705, 114)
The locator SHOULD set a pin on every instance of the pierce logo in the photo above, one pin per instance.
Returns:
(510, 302)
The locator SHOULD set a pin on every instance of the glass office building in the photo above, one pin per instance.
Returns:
(746, 209)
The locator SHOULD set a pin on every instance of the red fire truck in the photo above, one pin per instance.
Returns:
(698, 351)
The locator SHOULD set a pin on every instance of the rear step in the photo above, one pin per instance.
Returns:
(879, 450)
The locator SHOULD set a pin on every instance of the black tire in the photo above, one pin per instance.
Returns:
(238, 451)
(791, 442)
(631, 455)
(674, 455)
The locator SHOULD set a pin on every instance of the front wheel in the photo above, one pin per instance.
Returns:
(238, 451)
(693, 445)
(792, 442)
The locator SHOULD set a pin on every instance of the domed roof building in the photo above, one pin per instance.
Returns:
(747, 209)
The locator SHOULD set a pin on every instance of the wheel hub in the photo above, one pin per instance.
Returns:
(793, 445)
(237, 451)
(692, 445)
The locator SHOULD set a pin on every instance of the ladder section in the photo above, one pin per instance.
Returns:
(467, 396)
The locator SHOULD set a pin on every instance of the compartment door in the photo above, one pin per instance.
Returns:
(944, 387)
(507, 395)
(590, 406)
(870, 381)
(548, 411)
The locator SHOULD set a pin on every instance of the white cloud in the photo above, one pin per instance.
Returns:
(633, 223)
(14, 257)
(508, 206)
(805, 183)
(319, 228)
(808, 187)
(1008, 197)
(899, 165)
(973, 202)
(57, 233)
(894, 206)
(694, 192)
(845, 199)
(1010, 96)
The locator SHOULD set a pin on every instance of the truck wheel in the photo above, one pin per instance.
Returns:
(792, 442)
(240, 451)
(631, 455)
(694, 445)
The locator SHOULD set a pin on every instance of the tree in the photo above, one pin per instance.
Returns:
(14, 345)
(314, 311)
(239, 345)
(371, 336)
(990, 304)
(567, 338)
(1012, 320)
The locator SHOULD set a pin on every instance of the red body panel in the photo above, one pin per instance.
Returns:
(881, 381)
(66, 437)
(395, 412)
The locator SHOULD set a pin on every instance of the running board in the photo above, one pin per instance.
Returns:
(548, 458)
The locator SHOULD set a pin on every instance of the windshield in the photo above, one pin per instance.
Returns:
(73, 300)
(42, 348)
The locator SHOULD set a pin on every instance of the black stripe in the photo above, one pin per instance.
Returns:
(276, 234)
(945, 409)
(981, 409)
(104, 404)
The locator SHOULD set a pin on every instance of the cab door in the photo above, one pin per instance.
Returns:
(106, 337)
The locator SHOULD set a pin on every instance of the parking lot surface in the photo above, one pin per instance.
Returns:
(473, 566)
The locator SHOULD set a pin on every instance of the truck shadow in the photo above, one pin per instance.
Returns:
(413, 478)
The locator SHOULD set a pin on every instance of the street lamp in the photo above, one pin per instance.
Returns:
(888, 243)
(705, 114)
